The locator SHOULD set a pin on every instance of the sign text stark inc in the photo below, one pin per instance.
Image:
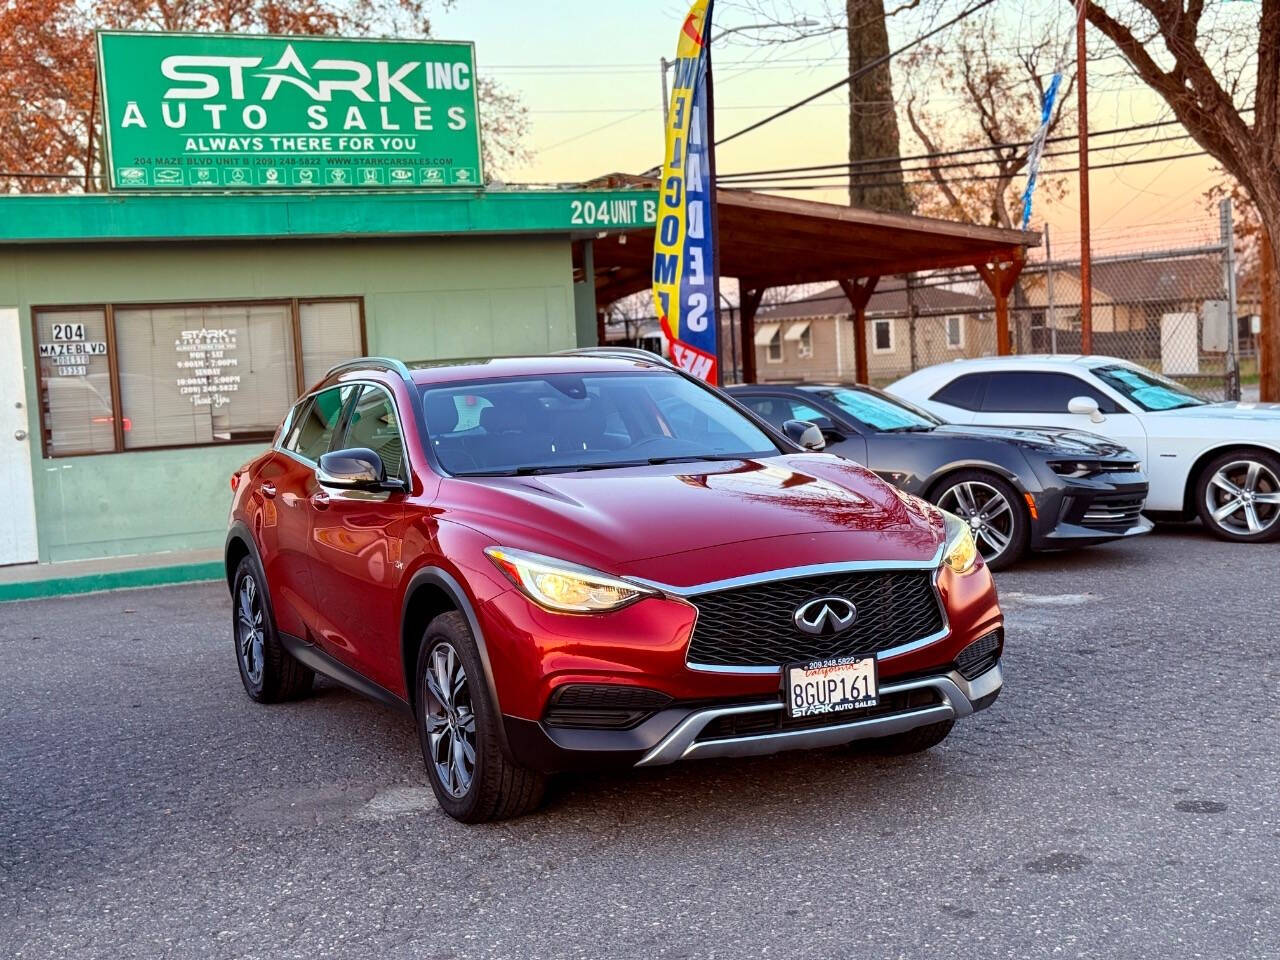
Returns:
(217, 111)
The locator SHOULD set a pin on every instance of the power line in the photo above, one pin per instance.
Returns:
(976, 177)
(730, 179)
(861, 71)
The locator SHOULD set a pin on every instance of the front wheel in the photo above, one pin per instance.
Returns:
(1238, 496)
(472, 778)
(268, 671)
(994, 512)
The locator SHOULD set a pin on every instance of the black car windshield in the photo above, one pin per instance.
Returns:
(568, 422)
(1150, 391)
(879, 411)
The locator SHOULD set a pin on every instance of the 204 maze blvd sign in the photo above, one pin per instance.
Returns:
(214, 111)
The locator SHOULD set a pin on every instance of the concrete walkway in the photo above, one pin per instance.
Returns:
(34, 580)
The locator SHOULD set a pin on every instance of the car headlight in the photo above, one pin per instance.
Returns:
(562, 586)
(960, 553)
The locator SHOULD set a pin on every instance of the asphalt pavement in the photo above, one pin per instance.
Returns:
(1119, 800)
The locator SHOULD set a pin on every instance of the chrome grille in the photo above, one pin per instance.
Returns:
(752, 626)
(1113, 511)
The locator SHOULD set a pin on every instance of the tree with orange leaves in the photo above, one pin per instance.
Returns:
(47, 71)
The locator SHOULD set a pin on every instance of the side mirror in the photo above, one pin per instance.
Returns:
(1086, 407)
(358, 468)
(804, 434)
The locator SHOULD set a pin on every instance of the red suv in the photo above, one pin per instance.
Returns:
(568, 561)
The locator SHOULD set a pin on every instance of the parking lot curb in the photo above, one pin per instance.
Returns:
(110, 580)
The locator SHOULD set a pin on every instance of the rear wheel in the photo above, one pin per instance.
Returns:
(472, 778)
(268, 671)
(910, 741)
(1238, 496)
(994, 512)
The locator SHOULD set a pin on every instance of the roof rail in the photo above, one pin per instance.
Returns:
(387, 363)
(618, 353)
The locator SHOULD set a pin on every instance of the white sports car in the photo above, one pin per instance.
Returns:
(1220, 460)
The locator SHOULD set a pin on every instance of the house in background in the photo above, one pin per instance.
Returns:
(812, 338)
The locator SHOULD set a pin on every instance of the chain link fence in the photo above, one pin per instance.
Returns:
(1181, 311)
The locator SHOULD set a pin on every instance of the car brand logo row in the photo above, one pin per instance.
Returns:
(304, 176)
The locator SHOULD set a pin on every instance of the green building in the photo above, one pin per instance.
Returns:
(150, 343)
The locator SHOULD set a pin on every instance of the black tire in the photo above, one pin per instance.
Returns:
(268, 671)
(1236, 467)
(497, 788)
(1019, 527)
(910, 741)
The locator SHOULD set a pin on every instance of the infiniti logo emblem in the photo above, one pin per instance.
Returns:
(825, 616)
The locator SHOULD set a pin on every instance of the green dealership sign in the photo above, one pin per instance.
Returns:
(199, 112)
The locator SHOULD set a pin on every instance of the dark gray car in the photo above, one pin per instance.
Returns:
(1020, 489)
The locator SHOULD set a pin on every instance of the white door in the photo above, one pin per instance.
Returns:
(1038, 398)
(18, 518)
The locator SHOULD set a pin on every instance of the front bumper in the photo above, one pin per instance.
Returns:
(1077, 513)
(685, 733)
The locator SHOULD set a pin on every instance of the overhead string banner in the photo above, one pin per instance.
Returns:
(684, 281)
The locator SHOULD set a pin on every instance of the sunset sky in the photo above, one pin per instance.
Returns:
(589, 77)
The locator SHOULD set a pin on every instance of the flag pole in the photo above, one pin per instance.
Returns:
(713, 210)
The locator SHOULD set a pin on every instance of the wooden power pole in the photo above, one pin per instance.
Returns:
(1082, 96)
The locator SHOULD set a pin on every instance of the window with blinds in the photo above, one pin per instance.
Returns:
(204, 374)
(331, 334)
(183, 374)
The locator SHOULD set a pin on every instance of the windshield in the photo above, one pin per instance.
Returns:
(567, 422)
(879, 411)
(1148, 390)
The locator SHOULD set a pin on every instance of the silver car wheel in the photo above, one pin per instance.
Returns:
(450, 720)
(249, 630)
(1243, 497)
(988, 512)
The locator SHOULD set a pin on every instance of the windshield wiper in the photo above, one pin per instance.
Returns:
(914, 428)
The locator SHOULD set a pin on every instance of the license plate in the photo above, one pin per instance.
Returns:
(831, 686)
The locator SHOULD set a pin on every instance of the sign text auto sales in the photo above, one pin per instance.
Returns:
(202, 111)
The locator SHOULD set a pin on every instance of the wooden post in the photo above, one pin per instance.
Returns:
(750, 302)
(1000, 278)
(1269, 335)
(859, 295)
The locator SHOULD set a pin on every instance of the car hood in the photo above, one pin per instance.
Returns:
(685, 524)
(1073, 443)
(1255, 413)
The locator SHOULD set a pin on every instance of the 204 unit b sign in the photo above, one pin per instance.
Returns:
(219, 112)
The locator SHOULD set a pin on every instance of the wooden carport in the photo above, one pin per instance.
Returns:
(768, 241)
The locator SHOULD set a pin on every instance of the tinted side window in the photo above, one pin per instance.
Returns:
(778, 410)
(1030, 392)
(963, 392)
(373, 424)
(312, 430)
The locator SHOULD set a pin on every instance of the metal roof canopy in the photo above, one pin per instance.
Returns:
(767, 241)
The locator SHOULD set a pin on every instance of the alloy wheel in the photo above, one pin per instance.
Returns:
(988, 513)
(1243, 497)
(450, 720)
(249, 630)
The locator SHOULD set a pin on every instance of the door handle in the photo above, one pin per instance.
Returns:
(268, 490)
(19, 434)
(320, 501)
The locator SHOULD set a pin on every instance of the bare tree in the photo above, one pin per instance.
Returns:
(1212, 73)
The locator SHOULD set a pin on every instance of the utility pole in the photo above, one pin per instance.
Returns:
(1048, 279)
(1228, 234)
(1082, 98)
(663, 66)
